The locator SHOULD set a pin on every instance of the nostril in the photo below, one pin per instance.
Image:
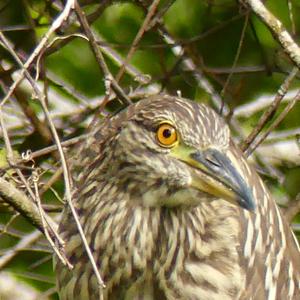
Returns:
(212, 161)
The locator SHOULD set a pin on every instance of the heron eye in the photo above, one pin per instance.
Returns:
(166, 135)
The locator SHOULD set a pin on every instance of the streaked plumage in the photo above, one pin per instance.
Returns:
(153, 234)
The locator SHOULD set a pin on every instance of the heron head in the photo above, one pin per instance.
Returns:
(172, 152)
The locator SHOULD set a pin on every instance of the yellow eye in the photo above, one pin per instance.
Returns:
(166, 135)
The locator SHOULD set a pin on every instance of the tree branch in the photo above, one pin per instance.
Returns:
(269, 113)
(21, 203)
(278, 30)
(276, 122)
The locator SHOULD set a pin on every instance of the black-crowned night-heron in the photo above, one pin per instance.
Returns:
(172, 210)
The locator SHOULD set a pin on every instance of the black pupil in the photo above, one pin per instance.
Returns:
(167, 133)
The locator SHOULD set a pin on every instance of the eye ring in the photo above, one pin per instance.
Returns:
(166, 135)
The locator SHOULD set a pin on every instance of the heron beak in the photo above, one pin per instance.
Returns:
(215, 174)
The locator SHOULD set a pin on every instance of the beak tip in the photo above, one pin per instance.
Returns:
(248, 206)
(247, 202)
(219, 168)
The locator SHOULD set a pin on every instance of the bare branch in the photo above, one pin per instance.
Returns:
(24, 242)
(151, 12)
(40, 47)
(274, 124)
(23, 102)
(21, 203)
(118, 60)
(270, 111)
(67, 179)
(277, 29)
(98, 55)
(48, 228)
(238, 53)
(260, 103)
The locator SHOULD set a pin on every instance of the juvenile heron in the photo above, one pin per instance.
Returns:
(172, 210)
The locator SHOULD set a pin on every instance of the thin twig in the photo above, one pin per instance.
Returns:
(24, 242)
(99, 56)
(41, 97)
(151, 12)
(70, 90)
(59, 252)
(23, 102)
(55, 177)
(68, 196)
(237, 56)
(119, 61)
(274, 124)
(189, 65)
(260, 103)
(72, 33)
(9, 223)
(52, 148)
(267, 115)
(40, 47)
(10, 159)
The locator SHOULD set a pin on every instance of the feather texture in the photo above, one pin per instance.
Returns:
(209, 251)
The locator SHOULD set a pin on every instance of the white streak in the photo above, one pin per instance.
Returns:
(249, 236)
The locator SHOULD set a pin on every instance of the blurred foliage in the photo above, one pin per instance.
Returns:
(210, 31)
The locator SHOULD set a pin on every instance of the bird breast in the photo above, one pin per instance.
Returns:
(165, 253)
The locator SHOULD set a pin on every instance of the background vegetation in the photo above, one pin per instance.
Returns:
(213, 51)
